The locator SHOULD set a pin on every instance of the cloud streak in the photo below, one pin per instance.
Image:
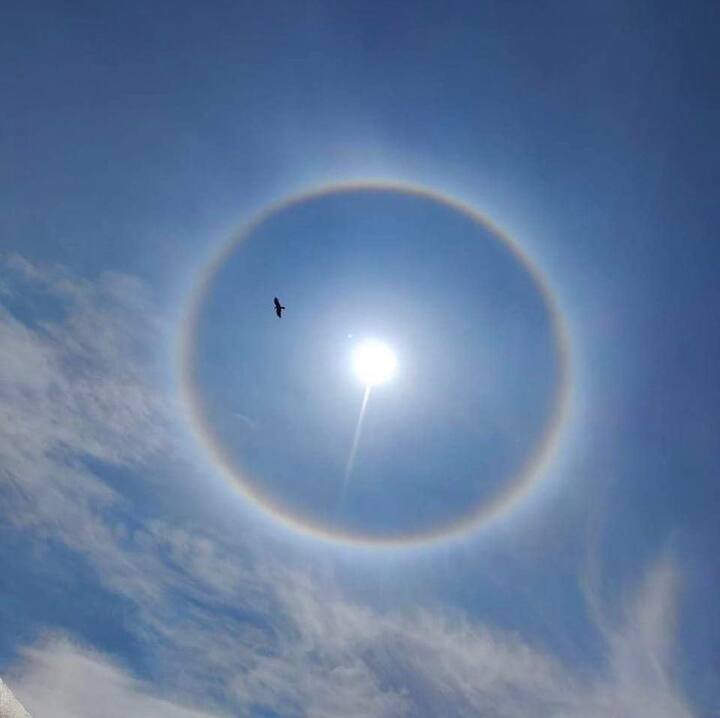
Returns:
(426, 663)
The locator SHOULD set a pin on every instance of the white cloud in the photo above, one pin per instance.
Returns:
(81, 378)
(426, 664)
(60, 680)
(78, 382)
(334, 657)
(9, 705)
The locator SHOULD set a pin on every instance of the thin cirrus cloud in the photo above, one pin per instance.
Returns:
(240, 627)
(337, 656)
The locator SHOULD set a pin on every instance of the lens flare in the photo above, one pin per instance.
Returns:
(374, 363)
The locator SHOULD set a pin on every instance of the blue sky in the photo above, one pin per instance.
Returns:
(138, 140)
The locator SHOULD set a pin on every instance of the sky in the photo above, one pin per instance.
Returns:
(520, 199)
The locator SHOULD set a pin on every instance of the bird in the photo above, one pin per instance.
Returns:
(278, 307)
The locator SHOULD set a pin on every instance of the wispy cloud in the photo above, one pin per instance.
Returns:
(326, 656)
(80, 377)
(425, 662)
(232, 622)
(60, 679)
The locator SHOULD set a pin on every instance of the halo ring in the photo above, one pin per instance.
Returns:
(535, 464)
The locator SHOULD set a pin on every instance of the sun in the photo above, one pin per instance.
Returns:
(374, 362)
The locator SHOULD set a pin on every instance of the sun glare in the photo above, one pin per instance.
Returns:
(374, 362)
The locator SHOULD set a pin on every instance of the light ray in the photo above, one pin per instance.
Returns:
(353, 451)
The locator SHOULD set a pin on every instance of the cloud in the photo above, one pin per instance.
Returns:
(60, 679)
(9, 705)
(234, 622)
(80, 377)
(78, 381)
(426, 663)
(334, 657)
(640, 677)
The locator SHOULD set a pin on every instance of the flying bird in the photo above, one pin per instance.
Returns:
(278, 307)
